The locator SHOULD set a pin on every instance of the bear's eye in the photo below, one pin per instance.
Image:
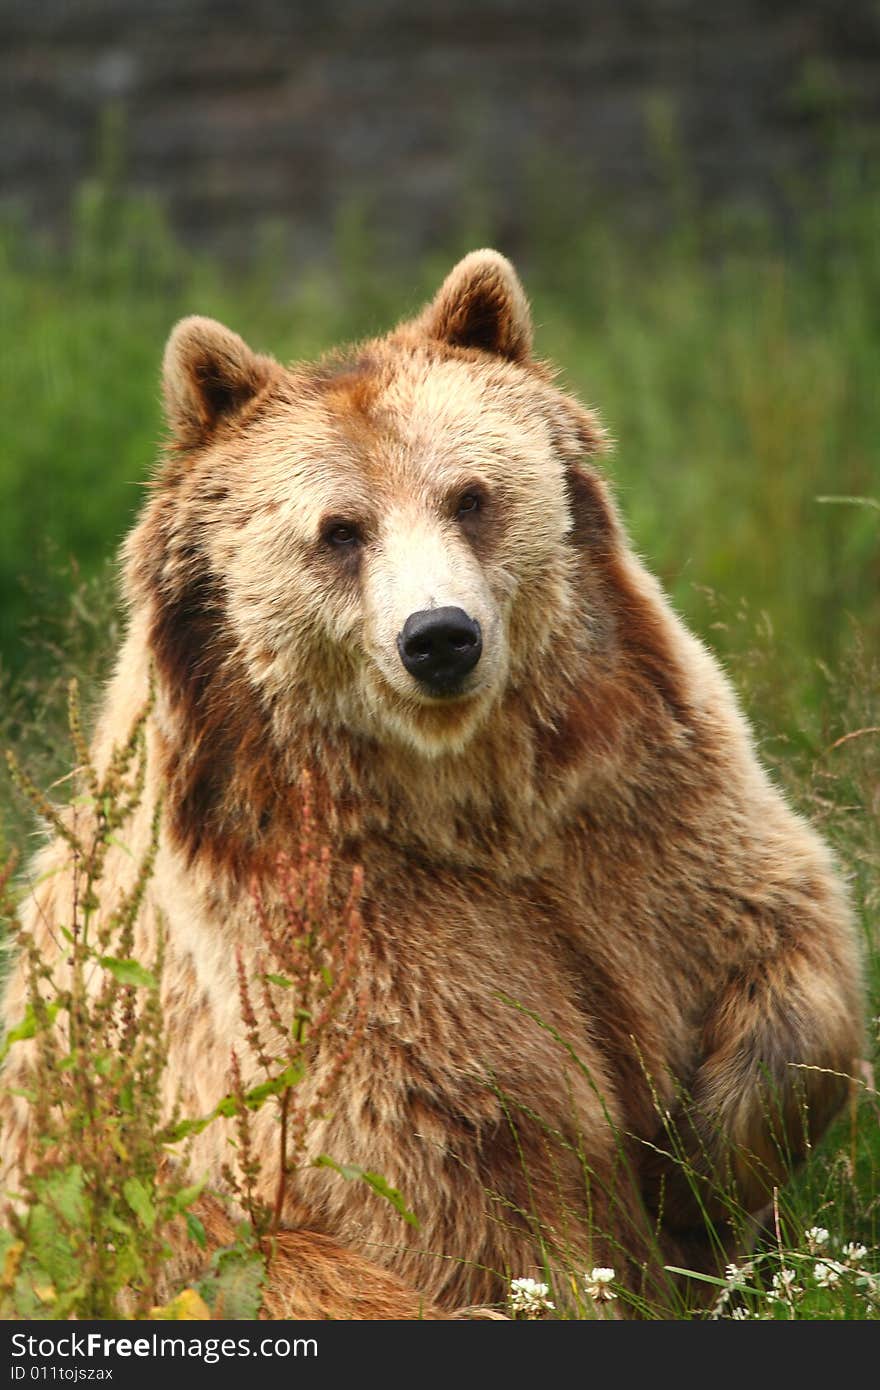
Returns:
(468, 503)
(341, 533)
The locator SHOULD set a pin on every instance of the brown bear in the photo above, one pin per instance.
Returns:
(607, 976)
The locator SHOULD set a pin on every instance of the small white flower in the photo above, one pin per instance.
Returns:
(529, 1299)
(597, 1284)
(784, 1287)
(740, 1313)
(720, 1304)
(817, 1236)
(854, 1253)
(737, 1275)
(825, 1275)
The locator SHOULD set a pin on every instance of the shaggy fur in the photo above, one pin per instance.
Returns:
(587, 909)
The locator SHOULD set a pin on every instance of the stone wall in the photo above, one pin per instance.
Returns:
(424, 111)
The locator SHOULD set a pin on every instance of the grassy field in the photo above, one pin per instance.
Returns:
(736, 370)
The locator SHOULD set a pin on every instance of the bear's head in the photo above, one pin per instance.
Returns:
(382, 542)
(399, 553)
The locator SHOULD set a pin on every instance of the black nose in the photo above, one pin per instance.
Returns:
(439, 646)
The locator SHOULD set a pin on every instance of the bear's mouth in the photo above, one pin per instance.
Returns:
(430, 721)
(444, 691)
(422, 697)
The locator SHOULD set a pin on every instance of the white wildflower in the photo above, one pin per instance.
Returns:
(529, 1299)
(854, 1253)
(785, 1289)
(720, 1304)
(825, 1275)
(817, 1236)
(598, 1282)
(737, 1275)
(740, 1313)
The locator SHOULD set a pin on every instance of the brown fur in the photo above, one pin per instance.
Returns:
(311, 1276)
(587, 908)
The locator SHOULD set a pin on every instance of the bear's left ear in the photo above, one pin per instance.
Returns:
(208, 375)
(481, 304)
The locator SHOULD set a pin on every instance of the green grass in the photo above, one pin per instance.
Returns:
(735, 368)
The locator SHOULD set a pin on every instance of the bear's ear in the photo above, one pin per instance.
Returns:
(481, 304)
(208, 375)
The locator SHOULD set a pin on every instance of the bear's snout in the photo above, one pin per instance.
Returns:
(439, 646)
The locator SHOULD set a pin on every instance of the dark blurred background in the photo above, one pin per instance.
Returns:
(289, 109)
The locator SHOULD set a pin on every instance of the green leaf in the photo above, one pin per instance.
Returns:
(713, 1279)
(196, 1231)
(140, 1201)
(128, 1263)
(228, 1106)
(173, 1134)
(50, 1247)
(281, 980)
(113, 840)
(235, 1288)
(186, 1196)
(65, 1191)
(122, 1228)
(351, 1172)
(224, 1109)
(29, 1027)
(129, 972)
(291, 1075)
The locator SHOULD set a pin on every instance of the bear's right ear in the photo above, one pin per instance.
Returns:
(208, 375)
(481, 304)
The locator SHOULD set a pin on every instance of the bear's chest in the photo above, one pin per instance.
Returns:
(476, 982)
(469, 984)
